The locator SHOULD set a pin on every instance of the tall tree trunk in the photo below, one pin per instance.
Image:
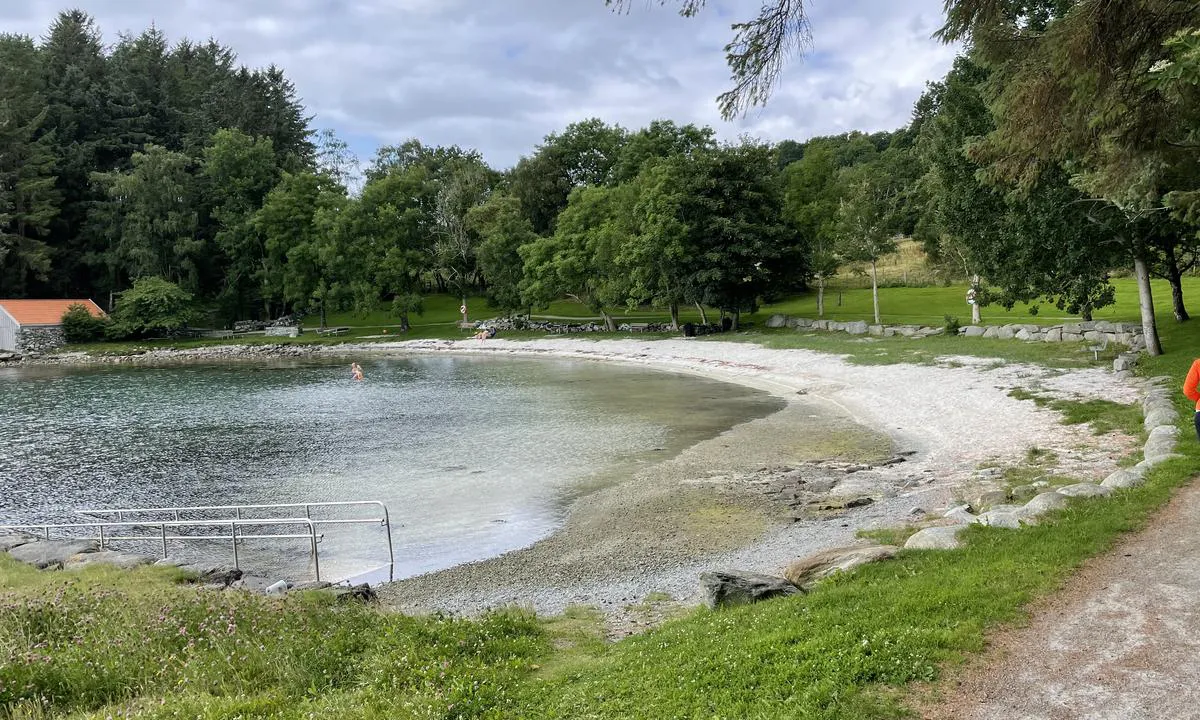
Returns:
(1175, 277)
(703, 315)
(875, 293)
(821, 295)
(1146, 303)
(463, 307)
(975, 319)
(674, 316)
(404, 321)
(609, 324)
(322, 314)
(737, 319)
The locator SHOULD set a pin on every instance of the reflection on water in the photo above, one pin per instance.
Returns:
(473, 457)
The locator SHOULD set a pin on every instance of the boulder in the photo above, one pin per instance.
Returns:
(935, 538)
(857, 328)
(254, 583)
(777, 321)
(1024, 334)
(125, 561)
(361, 593)
(807, 572)
(8, 542)
(1159, 449)
(213, 574)
(52, 553)
(990, 498)
(1123, 479)
(1085, 490)
(991, 333)
(1160, 416)
(1000, 519)
(961, 515)
(973, 331)
(1053, 335)
(734, 587)
(1044, 503)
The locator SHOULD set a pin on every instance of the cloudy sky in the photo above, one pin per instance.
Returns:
(499, 75)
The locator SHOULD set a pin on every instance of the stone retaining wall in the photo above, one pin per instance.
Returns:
(38, 340)
(1097, 332)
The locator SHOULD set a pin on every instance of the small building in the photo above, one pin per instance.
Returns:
(33, 326)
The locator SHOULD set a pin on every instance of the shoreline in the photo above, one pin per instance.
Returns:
(714, 505)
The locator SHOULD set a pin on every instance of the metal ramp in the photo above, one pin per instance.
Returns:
(234, 523)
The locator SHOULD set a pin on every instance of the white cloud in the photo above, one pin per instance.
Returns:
(499, 76)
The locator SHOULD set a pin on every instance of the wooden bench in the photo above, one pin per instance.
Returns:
(334, 331)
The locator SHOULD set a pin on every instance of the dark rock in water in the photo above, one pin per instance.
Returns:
(52, 553)
(362, 593)
(724, 588)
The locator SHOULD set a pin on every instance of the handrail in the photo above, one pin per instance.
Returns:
(162, 525)
(385, 521)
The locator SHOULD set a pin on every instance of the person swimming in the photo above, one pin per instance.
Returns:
(356, 372)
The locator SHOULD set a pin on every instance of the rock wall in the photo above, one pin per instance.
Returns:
(1100, 332)
(38, 340)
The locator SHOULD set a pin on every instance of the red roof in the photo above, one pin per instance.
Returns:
(44, 312)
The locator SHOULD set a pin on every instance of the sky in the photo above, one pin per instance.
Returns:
(499, 75)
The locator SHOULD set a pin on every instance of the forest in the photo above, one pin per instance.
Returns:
(1032, 171)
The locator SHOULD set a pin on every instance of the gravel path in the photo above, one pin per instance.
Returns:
(657, 530)
(1121, 641)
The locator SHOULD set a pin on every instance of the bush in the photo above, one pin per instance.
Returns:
(80, 326)
(153, 306)
(951, 325)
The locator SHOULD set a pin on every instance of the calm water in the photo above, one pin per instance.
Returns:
(473, 457)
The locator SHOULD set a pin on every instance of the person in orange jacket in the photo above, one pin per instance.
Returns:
(1191, 389)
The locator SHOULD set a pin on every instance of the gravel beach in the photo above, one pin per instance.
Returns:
(652, 533)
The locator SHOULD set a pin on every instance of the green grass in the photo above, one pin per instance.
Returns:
(102, 641)
(1104, 416)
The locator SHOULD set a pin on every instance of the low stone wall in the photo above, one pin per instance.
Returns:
(1098, 332)
(283, 331)
(38, 340)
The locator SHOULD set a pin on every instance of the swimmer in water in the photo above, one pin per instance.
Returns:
(356, 372)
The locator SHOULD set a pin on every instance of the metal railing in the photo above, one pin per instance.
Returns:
(128, 518)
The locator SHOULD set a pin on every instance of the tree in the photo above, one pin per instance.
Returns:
(502, 230)
(579, 260)
(864, 222)
(153, 305)
(585, 153)
(661, 139)
(464, 185)
(238, 171)
(157, 229)
(28, 198)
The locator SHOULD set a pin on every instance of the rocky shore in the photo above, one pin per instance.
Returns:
(854, 448)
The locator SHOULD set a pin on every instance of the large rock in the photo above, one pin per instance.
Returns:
(8, 542)
(973, 331)
(857, 328)
(990, 498)
(734, 587)
(777, 321)
(52, 553)
(1085, 490)
(125, 561)
(1159, 448)
(1123, 479)
(212, 574)
(360, 593)
(807, 572)
(935, 538)
(1044, 503)
(1001, 519)
(1161, 416)
(961, 515)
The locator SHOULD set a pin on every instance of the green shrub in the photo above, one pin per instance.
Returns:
(80, 326)
(153, 306)
(950, 324)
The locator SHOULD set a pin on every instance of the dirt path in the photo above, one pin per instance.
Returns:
(1121, 640)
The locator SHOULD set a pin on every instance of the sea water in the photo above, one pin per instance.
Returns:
(472, 457)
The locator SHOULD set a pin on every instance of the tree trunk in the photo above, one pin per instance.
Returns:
(820, 296)
(737, 317)
(322, 314)
(703, 315)
(1146, 302)
(975, 319)
(404, 321)
(463, 307)
(674, 316)
(1175, 277)
(875, 293)
(609, 324)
